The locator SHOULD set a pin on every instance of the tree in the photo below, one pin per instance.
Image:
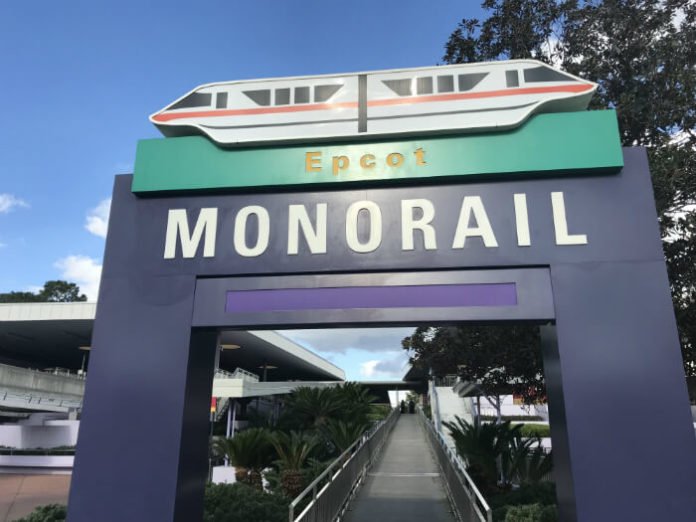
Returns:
(514, 29)
(293, 451)
(250, 452)
(640, 52)
(52, 292)
(343, 434)
(641, 55)
(314, 406)
(501, 359)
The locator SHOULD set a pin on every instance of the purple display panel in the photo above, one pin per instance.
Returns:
(332, 298)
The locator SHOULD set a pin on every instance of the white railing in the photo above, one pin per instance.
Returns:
(331, 491)
(238, 373)
(466, 498)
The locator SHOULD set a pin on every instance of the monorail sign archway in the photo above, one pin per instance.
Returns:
(548, 222)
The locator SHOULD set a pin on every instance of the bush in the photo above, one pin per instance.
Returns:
(242, 503)
(543, 493)
(49, 513)
(531, 513)
(378, 412)
(535, 430)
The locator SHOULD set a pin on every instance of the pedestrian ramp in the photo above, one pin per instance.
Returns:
(405, 484)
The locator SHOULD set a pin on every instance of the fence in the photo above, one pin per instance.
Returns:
(331, 490)
(468, 501)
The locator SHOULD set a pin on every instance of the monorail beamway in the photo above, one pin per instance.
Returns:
(539, 241)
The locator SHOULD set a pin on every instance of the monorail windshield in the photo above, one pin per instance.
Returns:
(195, 99)
(546, 74)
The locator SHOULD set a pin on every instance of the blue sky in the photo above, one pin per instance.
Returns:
(78, 80)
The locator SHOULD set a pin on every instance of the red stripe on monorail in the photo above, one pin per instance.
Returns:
(574, 88)
(259, 110)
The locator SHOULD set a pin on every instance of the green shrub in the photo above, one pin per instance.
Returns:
(543, 493)
(531, 513)
(378, 412)
(242, 503)
(535, 430)
(49, 513)
(549, 514)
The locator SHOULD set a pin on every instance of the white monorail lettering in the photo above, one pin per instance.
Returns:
(409, 224)
(375, 237)
(177, 226)
(314, 235)
(240, 227)
(522, 220)
(472, 205)
(560, 223)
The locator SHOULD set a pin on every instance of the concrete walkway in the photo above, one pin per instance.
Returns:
(405, 483)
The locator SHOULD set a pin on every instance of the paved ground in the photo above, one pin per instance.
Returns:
(20, 494)
(404, 485)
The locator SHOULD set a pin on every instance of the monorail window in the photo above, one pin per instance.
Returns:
(261, 97)
(400, 87)
(512, 78)
(445, 84)
(469, 81)
(195, 99)
(323, 92)
(544, 74)
(301, 94)
(282, 96)
(424, 85)
(221, 100)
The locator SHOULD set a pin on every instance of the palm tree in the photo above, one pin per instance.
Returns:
(357, 401)
(315, 405)
(536, 466)
(498, 454)
(482, 446)
(343, 434)
(293, 451)
(250, 452)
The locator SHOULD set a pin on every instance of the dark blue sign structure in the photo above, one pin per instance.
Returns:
(580, 256)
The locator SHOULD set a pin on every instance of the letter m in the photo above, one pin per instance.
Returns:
(178, 227)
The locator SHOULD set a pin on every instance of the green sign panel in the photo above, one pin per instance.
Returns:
(566, 142)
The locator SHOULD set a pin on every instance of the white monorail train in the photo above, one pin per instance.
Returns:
(448, 99)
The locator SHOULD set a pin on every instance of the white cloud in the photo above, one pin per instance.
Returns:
(8, 202)
(98, 218)
(387, 368)
(83, 271)
(340, 340)
(367, 369)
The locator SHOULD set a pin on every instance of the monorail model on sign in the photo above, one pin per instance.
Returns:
(449, 99)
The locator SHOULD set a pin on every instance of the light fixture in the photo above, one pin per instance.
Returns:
(85, 348)
(229, 346)
(268, 367)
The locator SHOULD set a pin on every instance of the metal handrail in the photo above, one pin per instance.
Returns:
(342, 476)
(238, 373)
(466, 497)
